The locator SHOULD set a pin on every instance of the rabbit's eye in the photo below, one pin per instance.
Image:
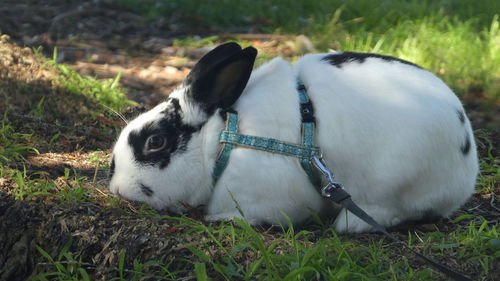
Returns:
(155, 143)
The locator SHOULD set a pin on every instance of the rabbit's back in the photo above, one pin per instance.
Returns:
(392, 132)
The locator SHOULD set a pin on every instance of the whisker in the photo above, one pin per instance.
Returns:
(117, 113)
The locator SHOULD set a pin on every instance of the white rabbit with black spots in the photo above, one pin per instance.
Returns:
(393, 133)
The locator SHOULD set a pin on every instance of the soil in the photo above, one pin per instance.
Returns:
(97, 38)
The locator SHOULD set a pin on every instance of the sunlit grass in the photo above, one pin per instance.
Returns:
(105, 92)
(466, 60)
(458, 40)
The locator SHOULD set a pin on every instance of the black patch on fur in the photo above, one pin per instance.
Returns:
(461, 116)
(146, 190)
(111, 168)
(170, 126)
(340, 59)
(465, 148)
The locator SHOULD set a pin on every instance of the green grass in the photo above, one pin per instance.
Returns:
(195, 42)
(105, 92)
(28, 186)
(16, 145)
(235, 251)
(490, 169)
(478, 242)
(13, 145)
(66, 267)
(458, 40)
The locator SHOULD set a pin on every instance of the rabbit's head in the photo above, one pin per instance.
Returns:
(165, 156)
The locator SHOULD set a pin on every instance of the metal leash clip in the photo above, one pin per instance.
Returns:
(328, 189)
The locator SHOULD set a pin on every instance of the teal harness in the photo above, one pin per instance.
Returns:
(229, 138)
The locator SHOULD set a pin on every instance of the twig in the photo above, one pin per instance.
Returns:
(95, 175)
(493, 195)
(187, 245)
(86, 264)
(132, 208)
(101, 192)
(419, 238)
(472, 209)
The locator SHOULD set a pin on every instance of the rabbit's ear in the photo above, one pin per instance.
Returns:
(219, 78)
(216, 55)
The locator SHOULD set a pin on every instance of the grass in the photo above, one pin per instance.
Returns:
(32, 185)
(67, 269)
(490, 169)
(13, 145)
(458, 40)
(235, 251)
(106, 92)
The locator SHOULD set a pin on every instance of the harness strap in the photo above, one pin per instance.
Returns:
(269, 145)
(223, 159)
(230, 137)
(308, 128)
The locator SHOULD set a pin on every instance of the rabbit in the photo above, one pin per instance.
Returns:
(393, 133)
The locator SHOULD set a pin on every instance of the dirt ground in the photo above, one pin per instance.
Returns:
(99, 39)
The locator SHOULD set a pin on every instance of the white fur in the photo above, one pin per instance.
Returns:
(389, 131)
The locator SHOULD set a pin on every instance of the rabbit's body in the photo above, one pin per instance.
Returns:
(394, 134)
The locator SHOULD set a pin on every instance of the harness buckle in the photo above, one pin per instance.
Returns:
(332, 185)
(307, 112)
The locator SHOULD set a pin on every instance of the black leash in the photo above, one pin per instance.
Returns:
(335, 191)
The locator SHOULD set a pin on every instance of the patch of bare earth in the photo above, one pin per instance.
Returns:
(100, 233)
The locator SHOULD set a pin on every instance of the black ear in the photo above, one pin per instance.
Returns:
(219, 78)
(216, 55)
